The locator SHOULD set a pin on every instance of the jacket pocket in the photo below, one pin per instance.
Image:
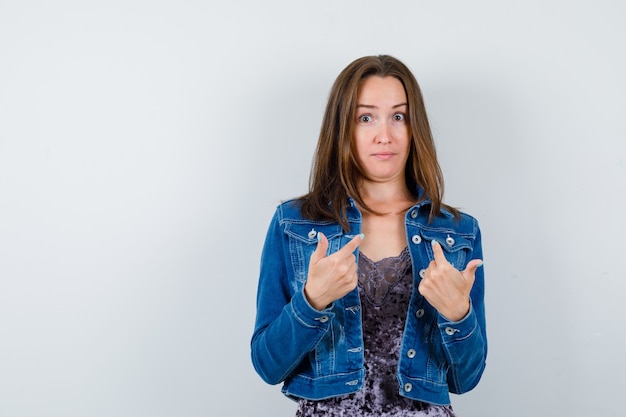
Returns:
(302, 237)
(456, 247)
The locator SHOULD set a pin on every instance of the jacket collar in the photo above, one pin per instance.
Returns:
(422, 203)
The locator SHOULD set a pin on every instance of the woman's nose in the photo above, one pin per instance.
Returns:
(383, 135)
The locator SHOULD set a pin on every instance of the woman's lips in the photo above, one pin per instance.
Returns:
(383, 155)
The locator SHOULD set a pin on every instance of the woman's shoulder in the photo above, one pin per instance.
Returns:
(290, 211)
(466, 217)
(290, 208)
(462, 222)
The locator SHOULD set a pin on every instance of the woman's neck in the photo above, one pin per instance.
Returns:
(387, 198)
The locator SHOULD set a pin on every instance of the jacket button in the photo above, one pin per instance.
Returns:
(323, 319)
(419, 313)
(417, 239)
(450, 240)
(410, 353)
(414, 214)
(422, 273)
(312, 234)
(408, 387)
(450, 331)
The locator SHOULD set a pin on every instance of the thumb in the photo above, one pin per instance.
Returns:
(471, 267)
(320, 251)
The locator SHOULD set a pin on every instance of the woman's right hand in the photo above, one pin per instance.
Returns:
(331, 277)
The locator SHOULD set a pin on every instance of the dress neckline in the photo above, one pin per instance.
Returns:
(389, 258)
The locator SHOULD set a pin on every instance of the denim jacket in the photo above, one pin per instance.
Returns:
(319, 354)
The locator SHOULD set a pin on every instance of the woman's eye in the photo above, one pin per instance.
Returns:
(399, 117)
(365, 118)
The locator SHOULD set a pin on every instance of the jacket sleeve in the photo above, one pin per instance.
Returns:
(465, 341)
(287, 328)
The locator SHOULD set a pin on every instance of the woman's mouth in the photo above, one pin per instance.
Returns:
(383, 155)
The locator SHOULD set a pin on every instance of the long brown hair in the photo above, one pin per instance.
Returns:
(335, 173)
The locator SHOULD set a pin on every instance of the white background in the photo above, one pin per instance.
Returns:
(145, 144)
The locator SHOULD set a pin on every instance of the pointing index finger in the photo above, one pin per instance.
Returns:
(438, 252)
(351, 246)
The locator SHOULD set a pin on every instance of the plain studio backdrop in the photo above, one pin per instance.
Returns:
(145, 144)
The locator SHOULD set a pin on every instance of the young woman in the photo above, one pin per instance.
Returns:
(370, 297)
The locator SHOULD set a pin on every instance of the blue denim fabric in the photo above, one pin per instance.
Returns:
(319, 354)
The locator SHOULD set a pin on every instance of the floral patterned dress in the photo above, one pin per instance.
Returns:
(385, 291)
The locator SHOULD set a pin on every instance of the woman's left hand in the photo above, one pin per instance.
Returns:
(445, 287)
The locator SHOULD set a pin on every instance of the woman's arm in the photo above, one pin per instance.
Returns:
(465, 341)
(287, 328)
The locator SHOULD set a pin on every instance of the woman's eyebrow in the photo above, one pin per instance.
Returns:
(370, 106)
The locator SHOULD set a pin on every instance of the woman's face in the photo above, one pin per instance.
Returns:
(381, 131)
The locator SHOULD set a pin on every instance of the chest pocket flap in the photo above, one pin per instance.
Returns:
(456, 247)
(307, 232)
